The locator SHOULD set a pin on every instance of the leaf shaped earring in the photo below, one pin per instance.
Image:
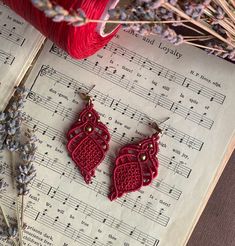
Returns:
(88, 141)
(135, 166)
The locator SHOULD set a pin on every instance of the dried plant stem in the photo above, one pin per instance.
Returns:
(203, 46)
(13, 169)
(19, 222)
(197, 23)
(226, 20)
(7, 222)
(17, 199)
(227, 10)
(193, 29)
(4, 216)
(195, 39)
(225, 23)
(22, 211)
(232, 2)
(199, 37)
(145, 22)
(135, 22)
(227, 27)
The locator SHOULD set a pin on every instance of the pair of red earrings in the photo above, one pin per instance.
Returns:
(88, 143)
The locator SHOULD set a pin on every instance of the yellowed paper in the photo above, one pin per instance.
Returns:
(137, 80)
(19, 43)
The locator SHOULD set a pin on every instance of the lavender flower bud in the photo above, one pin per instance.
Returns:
(49, 13)
(3, 185)
(58, 18)
(28, 158)
(2, 116)
(2, 128)
(11, 131)
(69, 18)
(12, 145)
(60, 10)
(13, 231)
(4, 233)
(23, 190)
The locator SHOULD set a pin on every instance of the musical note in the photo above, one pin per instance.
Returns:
(92, 212)
(169, 74)
(6, 58)
(125, 108)
(103, 190)
(126, 103)
(189, 112)
(142, 92)
(11, 35)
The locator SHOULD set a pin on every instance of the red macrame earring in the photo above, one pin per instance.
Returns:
(135, 166)
(88, 141)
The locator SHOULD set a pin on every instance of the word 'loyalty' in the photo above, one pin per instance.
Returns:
(170, 51)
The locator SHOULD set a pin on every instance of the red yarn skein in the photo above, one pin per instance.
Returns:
(79, 42)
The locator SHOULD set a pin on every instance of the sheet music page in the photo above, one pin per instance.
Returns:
(137, 81)
(19, 43)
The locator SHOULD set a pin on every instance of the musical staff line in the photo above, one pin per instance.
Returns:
(121, 81)
(168, 163)
(156, 184)
(116, 136)
(164, 72)
(120, 107)
(6, 58)
(69, 171)
(53, 223)
(11, 35)
(92, 212)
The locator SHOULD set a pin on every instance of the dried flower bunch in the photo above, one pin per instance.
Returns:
(211, 22)
(11, 134)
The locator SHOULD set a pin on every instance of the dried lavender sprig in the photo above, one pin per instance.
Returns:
(58, 13)
(26, 174)
(196, 10)
(199, 24)
(11, 122)
(14, 118)
(3, 183)
(26, 170)
(159, 16)
(3, 130)
(228, 52)
(154, 13)
(8, 233)
(11, 232)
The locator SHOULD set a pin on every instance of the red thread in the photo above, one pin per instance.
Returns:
(79, 42)
(135, 166)
(88, 142)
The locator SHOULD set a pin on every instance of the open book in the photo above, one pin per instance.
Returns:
(137, 80)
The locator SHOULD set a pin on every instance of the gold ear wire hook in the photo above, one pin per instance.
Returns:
(166, 119)
(156, 125)
(85, 96)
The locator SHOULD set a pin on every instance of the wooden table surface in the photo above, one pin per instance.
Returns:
(216, 226)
